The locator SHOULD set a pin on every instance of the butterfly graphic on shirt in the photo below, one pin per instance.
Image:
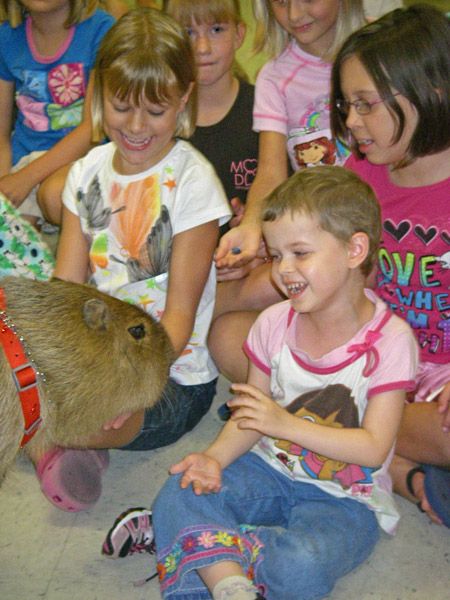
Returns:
(154, 255)
(91, 206)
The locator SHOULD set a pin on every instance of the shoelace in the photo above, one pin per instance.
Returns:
(143, 545)
(142, 582)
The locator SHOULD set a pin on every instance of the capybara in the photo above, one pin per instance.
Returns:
(99, 357)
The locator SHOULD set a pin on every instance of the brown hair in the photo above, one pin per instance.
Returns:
(146, 53)
(342, 203)
(407, 50)
(207, 11)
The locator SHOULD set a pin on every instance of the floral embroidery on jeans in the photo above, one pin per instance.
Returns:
(196, 545)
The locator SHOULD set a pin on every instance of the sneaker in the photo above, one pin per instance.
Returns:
(131, 533)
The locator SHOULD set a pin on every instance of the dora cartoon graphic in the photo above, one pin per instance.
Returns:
(319, 151)
(332, 406)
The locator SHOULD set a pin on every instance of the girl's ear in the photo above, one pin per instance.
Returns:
(358, 249)
(241, 30)
(185, 97)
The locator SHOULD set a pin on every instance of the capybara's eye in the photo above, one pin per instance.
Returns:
(138, 331)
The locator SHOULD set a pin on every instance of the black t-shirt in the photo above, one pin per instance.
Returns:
(231, 145)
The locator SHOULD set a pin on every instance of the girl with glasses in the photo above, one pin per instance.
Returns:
(391, 99)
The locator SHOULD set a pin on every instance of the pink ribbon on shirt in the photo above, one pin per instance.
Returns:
(368, 347)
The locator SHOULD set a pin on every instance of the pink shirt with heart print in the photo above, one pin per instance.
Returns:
(414, 258)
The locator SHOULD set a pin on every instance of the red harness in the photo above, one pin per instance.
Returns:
(23, 374)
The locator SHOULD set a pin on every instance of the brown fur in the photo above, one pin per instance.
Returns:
(94, 368)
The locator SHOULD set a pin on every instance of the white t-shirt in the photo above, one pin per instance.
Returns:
(130, 221)
(333, 391)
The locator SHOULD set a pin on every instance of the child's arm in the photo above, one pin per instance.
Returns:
(272, 170)
(203, 470)
(368, 445)
(17, 186)
(72, 260)
(190, 265)
(6, 111)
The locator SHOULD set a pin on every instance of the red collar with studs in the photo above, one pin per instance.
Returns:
(23, 374)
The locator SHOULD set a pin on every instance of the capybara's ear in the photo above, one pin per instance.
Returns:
(96, 314)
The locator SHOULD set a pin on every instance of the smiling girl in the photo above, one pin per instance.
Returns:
(140, 222)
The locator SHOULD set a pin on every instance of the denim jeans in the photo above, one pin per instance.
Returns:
(291, 538)
(178, 411)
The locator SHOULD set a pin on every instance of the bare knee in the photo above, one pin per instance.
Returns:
(226, 338)
(421, 438)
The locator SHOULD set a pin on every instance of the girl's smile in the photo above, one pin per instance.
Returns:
(143, 133)
(312, 23)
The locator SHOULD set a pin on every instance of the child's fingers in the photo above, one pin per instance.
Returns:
(247, 389)
(182, 466)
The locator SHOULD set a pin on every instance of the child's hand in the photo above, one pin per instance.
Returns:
(117, 422)
(15, 187)
(238, 272)
(443, 401)
(238, 246)
(201, 471)
(252, 409)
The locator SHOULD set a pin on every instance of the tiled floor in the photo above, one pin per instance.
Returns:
(51, 555)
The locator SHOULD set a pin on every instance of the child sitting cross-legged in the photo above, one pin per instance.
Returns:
(293, 492)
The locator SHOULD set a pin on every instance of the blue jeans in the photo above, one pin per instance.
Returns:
(178, 411)
(291, 538)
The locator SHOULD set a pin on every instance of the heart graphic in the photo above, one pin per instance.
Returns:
(398, 233)
(426, 236)
(445, 237)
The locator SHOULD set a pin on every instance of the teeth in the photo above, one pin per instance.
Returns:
(295, 288)
(137, 142)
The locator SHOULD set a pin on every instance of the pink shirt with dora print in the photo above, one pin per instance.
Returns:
(333, 391)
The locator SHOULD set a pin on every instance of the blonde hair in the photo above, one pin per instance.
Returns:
(146, 53)
(203, 11)
(271, 38)
(14, 12)
(207, 11)
(341, 202)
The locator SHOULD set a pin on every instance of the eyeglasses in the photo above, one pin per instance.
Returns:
(362, 107)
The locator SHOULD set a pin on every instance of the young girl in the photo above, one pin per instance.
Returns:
(223, 131)
(291, 494)
(140, 222)
(47, 51)
(291, 101)
(391, 89)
